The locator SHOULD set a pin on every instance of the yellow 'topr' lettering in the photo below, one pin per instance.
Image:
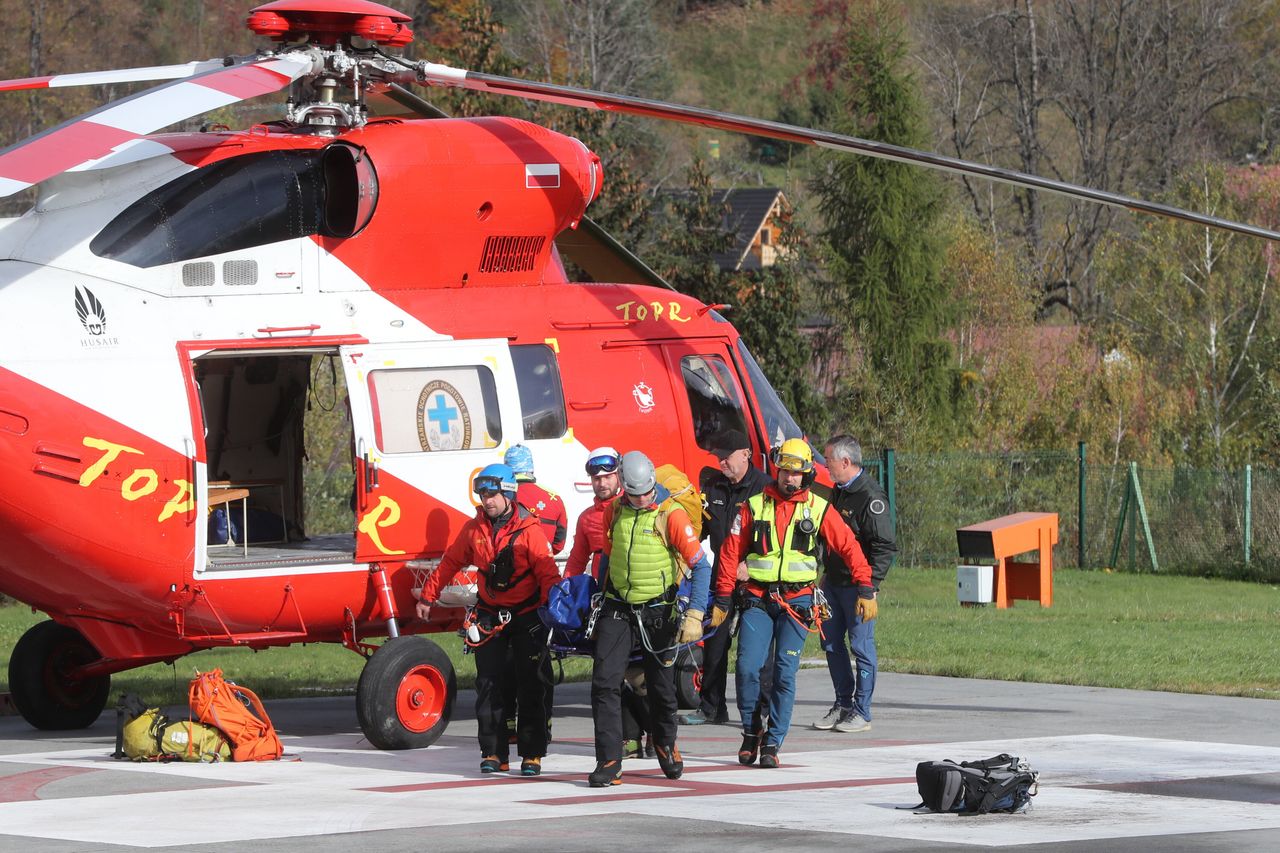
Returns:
(374, 519)
(128, 490)
(110, 452)
(181, 502)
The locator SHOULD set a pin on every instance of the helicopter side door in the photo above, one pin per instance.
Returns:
(713, 400)
(426, 417)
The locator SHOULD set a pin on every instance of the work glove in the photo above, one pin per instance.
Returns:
(867, 608)
(690, 628)
(423, 610)
(720, 611)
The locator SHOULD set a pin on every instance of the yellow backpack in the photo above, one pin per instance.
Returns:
(683, 493)
(150, 736)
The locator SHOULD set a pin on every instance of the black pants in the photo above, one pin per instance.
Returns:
(522, 641)
(616, 636)
(509, 696)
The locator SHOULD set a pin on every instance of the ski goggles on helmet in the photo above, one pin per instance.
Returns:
(602, 465)
(792, 462)
(487, 486)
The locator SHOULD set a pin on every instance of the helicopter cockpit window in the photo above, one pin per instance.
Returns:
(713, 398)
(244, 202)
(777, 420)
(541, 396)
(435, 409)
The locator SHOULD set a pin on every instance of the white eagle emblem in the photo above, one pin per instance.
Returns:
(644, 397)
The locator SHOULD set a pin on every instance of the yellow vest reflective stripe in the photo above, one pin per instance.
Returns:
(783, 563)
(641, 566)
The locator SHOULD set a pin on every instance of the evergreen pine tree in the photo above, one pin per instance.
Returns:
(882, 235)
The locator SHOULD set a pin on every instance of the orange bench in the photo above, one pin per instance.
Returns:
(1006, 537)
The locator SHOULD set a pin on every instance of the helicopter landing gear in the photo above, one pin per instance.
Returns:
(404, 698)
(689, 677)
(44, 695)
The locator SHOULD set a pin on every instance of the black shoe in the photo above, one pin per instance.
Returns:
(531, 767)
(769, 757)
(670, 761)
(493, 764)
(606, 773)
(749, 750)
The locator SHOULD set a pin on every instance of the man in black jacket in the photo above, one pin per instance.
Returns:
(725, 492)
(863, 506)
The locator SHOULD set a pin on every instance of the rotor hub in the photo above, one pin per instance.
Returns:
(327, 22)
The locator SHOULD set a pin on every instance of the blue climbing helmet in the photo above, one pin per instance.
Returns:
(497, 477)
(520, 458)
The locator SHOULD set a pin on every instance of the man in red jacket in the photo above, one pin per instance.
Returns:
(515, 571)
(547, 506)
(588, 534)
(778, 533)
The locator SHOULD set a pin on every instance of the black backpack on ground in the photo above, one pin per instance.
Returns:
(998, 784)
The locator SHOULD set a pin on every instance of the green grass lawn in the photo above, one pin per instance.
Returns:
(1112, 630)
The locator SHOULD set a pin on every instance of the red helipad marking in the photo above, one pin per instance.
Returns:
(680, 788)
(26, 786)
(650, 776)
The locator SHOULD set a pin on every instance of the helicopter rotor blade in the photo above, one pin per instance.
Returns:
(435, 74)
(90, 136)
(122, 75)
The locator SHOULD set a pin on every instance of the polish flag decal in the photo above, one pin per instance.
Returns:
(542, 176)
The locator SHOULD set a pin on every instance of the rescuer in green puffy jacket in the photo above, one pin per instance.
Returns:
(649, 546)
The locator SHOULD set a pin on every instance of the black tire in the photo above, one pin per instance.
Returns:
(689, 677)
(404, 699)
(42, 692)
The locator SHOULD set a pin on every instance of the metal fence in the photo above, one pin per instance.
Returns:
(1201, 522)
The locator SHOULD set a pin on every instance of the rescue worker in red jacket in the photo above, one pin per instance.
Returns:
(777, 532)
(515, 571)
(547, 506)
(588, 534)
(548, 509)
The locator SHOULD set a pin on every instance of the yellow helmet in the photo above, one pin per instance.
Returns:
(794, 454)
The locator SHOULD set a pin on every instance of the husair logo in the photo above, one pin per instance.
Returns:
(92, 315)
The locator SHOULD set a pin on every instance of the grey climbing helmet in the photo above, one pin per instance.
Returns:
(638, 476)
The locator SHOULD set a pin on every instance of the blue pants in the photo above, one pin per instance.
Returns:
(758, 627)
(850, 693)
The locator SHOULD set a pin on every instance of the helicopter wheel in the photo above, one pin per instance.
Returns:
(404, 698)
(689, 677)
(43, 694)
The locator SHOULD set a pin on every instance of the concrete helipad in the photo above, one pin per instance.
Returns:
(1120, 770)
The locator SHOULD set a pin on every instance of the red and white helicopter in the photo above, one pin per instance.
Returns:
(166, 300)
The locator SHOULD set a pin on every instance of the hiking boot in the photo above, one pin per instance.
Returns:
(606, 773)
(493, 764)
(531, 767)
(851, 722)
(769, 757)
(632, 749)
(670, 761)
(749, 750)
(694, 718)
(649, 750)
(835, 715)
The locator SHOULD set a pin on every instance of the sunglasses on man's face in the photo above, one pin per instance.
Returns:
(487, 493)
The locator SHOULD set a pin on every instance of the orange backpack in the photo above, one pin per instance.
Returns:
(238, 712)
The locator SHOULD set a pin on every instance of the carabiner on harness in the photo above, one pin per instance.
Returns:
(813, 624)
(597, 604)
(474, 632)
